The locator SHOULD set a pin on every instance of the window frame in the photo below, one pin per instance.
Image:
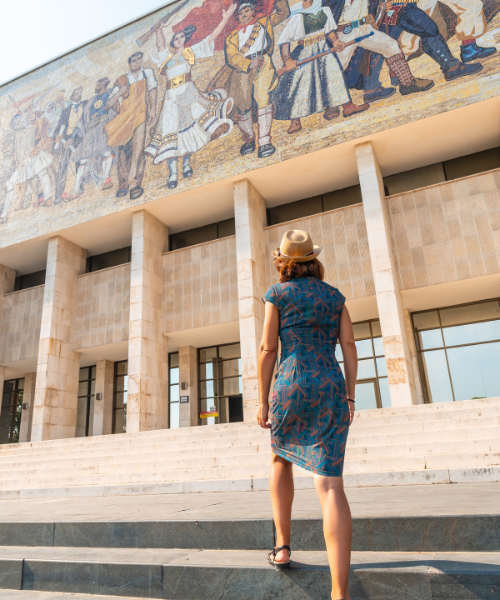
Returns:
(115, 391)
(420, 351)
(218, 397)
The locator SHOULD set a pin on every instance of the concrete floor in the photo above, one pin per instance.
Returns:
(425, 500)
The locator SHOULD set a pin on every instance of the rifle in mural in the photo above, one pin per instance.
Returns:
(163, 21)
(301, 63)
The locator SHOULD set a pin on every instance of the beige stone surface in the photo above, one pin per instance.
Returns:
(103, 307)
(447, 232)
(200, 286)
(147, 406)
(20, 324)
(102, 423)
(250, 217)
(54, 414)
(188, 373)
(390, 307)
(27, 414)
(345, 253)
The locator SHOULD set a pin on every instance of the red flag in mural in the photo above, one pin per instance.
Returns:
(209, 14)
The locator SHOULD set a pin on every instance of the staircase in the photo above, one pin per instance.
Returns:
(394, 558)
(436, 443)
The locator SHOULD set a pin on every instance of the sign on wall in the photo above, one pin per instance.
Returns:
(202, 90)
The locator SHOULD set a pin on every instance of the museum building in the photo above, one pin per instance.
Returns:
(145, 319)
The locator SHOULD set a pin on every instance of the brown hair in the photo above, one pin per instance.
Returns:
(289, 270)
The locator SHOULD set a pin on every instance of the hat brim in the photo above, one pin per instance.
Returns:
(300, 259)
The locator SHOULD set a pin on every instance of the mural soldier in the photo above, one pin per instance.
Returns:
(471, 25)
(248, 52)
(319, 85)
(402, 17)
(189, 119)
(31, 161)
(94, 144)
(134, 98)
(353, 21)
(67, 138)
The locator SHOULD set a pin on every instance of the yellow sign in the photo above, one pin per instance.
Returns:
(206, 415)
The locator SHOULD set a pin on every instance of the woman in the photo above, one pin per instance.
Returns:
(189, 119)
(312, 405)
(319, 85)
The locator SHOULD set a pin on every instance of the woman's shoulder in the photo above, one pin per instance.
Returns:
(326, 288)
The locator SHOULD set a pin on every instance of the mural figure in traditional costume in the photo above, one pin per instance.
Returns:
(67, 138)
(248, 52)
(399, 17)
(94, 145)
(471, 25)
(354, 21)
(134, 98)
(31, 163)
(189, 119)
(319, 85)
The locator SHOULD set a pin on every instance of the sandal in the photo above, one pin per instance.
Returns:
(279, 566)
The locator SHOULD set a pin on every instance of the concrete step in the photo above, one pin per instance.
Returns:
(227, 456)
(245, 575)
(229, 468)
(454, 533)
(25, 595)
(246, 483)
(371, 419)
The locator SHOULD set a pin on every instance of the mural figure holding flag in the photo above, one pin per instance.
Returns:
(248, 52)
(189, 119)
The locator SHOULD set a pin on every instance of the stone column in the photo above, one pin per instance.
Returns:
(188, 373)
(54, 414)
(390, 308)
(102, 423)
(27, 415)
(250, 217)
(147, 406)
(7, 279)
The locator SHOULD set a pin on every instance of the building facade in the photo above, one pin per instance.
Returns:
(146, 178)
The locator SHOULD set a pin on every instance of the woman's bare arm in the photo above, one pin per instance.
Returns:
(346, 339)
(268, 352)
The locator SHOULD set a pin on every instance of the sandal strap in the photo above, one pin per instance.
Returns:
(279, 548)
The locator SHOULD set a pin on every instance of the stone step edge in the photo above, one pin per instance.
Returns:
(383, 479)
(258, 460)
(242, 426)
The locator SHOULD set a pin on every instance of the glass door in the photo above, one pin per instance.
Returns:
(85, 407)
(10, 415)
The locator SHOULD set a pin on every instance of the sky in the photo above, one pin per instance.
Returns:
(33, 32)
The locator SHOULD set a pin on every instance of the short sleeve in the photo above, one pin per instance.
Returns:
(340, 298)
(271, 296)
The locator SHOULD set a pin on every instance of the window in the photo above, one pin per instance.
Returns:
(86, 397)
(372, 386)
(314, 205)
(441, 172)
(459, 351)
(109, 259)
(221, 388)
(30, 280)
(120, 397)
(200, 235)
(173, 390)
(11, 410)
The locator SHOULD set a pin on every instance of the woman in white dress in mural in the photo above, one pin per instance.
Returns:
(189, 119)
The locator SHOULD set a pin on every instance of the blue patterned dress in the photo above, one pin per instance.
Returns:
(309, 411)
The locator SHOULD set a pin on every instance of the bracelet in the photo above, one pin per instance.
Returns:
(351, 400)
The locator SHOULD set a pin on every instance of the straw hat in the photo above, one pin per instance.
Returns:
(298, 246)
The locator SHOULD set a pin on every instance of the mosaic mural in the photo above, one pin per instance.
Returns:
(202, 90)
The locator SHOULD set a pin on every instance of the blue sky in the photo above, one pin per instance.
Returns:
(34, 31)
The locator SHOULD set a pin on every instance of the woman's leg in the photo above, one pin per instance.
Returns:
(337, 527)
(281, 487)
